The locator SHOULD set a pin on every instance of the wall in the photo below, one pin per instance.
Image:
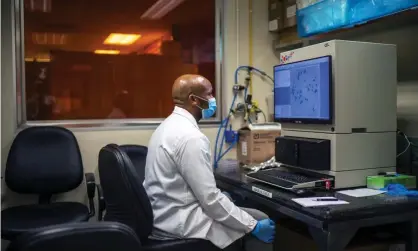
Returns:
(235, 51)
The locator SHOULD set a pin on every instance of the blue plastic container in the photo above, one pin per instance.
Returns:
(322, 16)
(365, 10)
(392, 6)
(328, 15)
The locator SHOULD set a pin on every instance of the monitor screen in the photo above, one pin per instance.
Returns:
(302, 91)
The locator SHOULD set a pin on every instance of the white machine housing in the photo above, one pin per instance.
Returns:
(364, 93)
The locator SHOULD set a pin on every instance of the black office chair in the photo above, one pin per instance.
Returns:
(45, 161)
(138, 156)
(128, 203)
(102, 236)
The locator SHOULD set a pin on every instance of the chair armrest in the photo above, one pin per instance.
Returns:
(91, 191)
(102, 204)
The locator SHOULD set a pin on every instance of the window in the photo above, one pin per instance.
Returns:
(110, 59)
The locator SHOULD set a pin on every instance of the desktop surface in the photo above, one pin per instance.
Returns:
(302, 91)
(365, 207)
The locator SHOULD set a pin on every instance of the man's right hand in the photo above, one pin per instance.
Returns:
(265, 230)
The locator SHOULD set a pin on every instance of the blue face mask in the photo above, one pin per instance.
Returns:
(207, 113)
(210, 111)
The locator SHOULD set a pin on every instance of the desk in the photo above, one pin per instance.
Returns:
(331, 227)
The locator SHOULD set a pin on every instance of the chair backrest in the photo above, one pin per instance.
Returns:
(103, 236)
(44, 160)
(138, 156)
(125, 197)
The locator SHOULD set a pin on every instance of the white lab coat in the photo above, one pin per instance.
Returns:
(181, 186)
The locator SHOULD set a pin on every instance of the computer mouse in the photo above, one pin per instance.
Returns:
(304, 192)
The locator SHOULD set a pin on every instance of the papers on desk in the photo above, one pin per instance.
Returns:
(361, 192)
(315, 201)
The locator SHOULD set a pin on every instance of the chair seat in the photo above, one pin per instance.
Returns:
(179, 245)
(20, 219)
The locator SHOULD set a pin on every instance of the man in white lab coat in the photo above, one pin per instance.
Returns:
(180, 183)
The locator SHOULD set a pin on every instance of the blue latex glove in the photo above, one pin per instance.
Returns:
(265, 230)
(399, 190)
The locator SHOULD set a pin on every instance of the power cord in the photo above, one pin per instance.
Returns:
(407, 146)
(264, 115)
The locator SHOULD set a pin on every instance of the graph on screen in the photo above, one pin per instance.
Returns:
(302, 90)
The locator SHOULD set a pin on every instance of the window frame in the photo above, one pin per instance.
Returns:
(18, 56)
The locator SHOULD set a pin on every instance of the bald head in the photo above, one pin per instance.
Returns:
(192, 92)
(190, 84)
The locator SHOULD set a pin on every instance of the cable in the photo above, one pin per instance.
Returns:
(247, 67)
(216, 142)
(249, 119)
(228, 149)
(407, 147)
(226, 123)
(218, 155)
(264, 115)
(263, 74)
(223, 125)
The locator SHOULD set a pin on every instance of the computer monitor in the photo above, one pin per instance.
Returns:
(302, 92)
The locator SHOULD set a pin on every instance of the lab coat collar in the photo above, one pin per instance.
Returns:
(184, 113)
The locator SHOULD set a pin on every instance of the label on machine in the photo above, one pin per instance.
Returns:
(262, 192)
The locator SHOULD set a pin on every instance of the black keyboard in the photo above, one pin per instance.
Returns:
(271, 180)
(292, 177)
(282, 179)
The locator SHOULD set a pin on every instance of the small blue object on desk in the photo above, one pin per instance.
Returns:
(399, 190)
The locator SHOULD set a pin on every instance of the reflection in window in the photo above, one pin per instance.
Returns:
(101, 59)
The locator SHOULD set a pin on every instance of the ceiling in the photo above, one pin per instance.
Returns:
(83, 25)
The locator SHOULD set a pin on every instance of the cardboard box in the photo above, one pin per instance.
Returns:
(289, 13)
(256, 142)
(276, 15)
